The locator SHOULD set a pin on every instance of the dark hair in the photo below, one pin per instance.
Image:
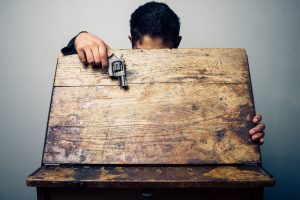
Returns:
(155, 20)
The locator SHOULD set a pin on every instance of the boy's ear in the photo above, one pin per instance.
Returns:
(178, 41)
(130, 39)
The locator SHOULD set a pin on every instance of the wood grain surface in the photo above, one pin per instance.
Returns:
(183, 106)
(161, 66)
(151, 176)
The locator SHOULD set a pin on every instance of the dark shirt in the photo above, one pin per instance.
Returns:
(70, 48)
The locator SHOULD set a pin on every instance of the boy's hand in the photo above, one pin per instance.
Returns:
(257, 133)
(91, 50)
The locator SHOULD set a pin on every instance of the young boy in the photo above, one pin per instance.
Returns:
(152, 26)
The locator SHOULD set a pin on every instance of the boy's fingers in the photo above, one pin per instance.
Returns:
(256, 129)
(258, 136)
(260, 127)
(103, 57)
(89, 56)
(257, 118)
(96, 55)
(261, 141)
(82, 57)
(108, 51)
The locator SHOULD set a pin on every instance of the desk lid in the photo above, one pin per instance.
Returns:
(183, 106)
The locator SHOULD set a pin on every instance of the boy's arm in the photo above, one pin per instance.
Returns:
(70, 48)
(91, 49)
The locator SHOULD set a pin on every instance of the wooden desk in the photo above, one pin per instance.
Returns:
(179, 132)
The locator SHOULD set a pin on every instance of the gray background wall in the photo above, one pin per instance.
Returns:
(32, 32)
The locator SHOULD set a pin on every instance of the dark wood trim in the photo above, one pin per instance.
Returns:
(99, 176)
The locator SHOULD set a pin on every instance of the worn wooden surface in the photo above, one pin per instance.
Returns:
(162, 66)
(183, 106)
(151, 177)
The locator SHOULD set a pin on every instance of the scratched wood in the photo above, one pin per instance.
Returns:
(183, 106)
(147, 176)
(154, 66)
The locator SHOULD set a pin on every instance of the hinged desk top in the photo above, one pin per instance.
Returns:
(183, 106)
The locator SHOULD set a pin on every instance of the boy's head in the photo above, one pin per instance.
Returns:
(153, 26)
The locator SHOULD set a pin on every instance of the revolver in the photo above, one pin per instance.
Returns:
(116, 69)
